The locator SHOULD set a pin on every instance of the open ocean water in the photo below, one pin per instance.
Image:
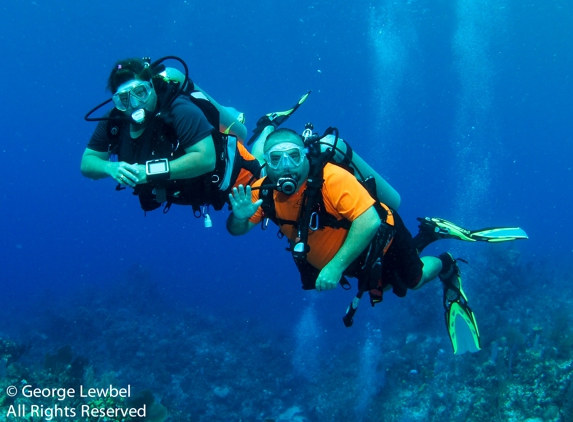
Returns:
(464, 106)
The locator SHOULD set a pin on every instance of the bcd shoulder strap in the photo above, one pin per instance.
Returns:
(113, 129)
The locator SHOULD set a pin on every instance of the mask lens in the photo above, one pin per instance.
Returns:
(274, 159)
(121, 100)
(141, 92)
(295, 156)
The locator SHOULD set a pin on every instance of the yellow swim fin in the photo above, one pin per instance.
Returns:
(462, 328)
(460, 320)
(444, 229)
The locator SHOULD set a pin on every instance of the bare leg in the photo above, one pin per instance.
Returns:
(432, 267)
(228, 118)
(258, 146)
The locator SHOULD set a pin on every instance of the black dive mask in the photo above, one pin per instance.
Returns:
(287, 185)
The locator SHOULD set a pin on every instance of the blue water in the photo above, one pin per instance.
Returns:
(464, 106)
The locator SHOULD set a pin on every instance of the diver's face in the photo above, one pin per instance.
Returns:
(135, 95)
(286, 161)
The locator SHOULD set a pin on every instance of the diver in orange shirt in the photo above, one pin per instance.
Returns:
(337, 248)
(337, 229)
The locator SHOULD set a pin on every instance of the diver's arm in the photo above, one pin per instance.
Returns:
(238, 227)
(360, 234)
(243, 208)
(96, 165)
(198, 160)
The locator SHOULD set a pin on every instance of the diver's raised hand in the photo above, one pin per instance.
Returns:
(241, 203)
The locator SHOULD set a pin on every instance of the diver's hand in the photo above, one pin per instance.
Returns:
(241, 203)
(328, 277)
(126, 174)
(141, 175)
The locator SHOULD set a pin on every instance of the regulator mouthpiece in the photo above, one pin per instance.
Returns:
(287, 185)
(138, 116)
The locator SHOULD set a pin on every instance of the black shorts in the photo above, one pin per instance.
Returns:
(401, 267)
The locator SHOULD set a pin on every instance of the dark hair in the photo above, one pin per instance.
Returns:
(283, 131)
(128, 69)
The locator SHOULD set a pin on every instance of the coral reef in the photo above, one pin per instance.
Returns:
(395, 364)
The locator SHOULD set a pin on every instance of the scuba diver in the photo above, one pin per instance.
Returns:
(337, 228)
(163, 138)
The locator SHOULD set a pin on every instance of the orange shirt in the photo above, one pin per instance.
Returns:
(344, 197)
